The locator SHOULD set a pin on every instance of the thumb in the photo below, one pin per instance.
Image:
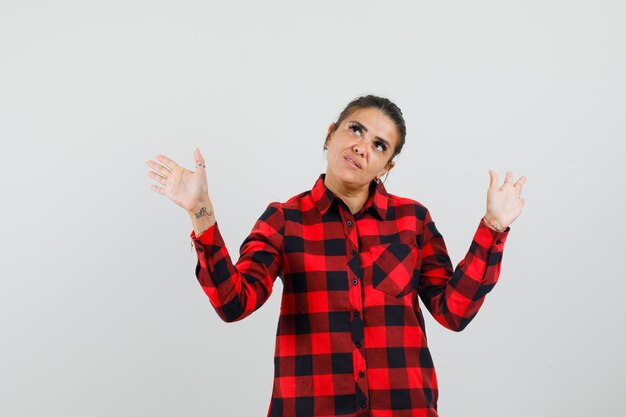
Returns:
(197, 156)
(493, 183)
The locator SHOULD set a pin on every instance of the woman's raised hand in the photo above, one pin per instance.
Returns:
(504, 203)
(186, 188)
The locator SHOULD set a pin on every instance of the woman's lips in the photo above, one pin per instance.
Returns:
(351, 162)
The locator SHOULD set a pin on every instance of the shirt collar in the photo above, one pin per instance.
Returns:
(377, 200)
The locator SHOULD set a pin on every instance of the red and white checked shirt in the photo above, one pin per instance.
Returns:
(350, 339)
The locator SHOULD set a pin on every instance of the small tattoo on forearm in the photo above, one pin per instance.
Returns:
(203, 212)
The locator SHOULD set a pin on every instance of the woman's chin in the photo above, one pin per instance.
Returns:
(349, 177)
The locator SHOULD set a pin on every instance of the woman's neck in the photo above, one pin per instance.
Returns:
(355, 198)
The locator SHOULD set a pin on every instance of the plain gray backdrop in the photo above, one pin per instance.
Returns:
(100, 310)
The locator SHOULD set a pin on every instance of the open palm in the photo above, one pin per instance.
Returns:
(184, 187)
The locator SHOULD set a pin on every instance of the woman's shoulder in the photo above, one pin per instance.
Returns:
(293, 203)
(400, 201)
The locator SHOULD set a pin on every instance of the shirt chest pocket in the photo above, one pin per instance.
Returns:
(394, 268)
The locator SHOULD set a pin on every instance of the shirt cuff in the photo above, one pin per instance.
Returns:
(487, 237)
(209, 241)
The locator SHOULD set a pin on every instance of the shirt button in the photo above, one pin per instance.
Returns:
(363, 404)
(361, 374)
(357, 344)
(354, 282)
(349, 223)
(354, 252)
(498, 242)
(356, 314)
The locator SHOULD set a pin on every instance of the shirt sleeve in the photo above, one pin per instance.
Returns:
(454, 296)
(237, 290)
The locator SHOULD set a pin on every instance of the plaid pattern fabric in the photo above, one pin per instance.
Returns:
(350, 339)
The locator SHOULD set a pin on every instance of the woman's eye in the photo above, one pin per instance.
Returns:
(382, 146)
(355, 128)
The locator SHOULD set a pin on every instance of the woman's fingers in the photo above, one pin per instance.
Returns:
(160, 169)
(157, 177)
(509, 178)
(520, 183)
(493, 179)
(197, 156)
(169, 164)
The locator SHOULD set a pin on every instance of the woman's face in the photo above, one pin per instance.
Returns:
(360, 149)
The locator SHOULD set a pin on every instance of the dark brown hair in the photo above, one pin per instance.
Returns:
(383, 104)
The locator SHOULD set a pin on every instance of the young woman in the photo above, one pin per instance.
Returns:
(354, 261)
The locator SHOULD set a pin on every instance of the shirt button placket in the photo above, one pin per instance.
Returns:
(358, 330)
(361, 402)
(354, 265)
(357, 325)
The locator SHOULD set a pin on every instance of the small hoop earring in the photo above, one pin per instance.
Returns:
(325, 147)
(377, 180)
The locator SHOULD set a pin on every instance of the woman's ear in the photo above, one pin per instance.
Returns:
(388, 168)
(330, 128)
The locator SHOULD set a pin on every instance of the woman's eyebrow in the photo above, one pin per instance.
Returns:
(385, 141)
